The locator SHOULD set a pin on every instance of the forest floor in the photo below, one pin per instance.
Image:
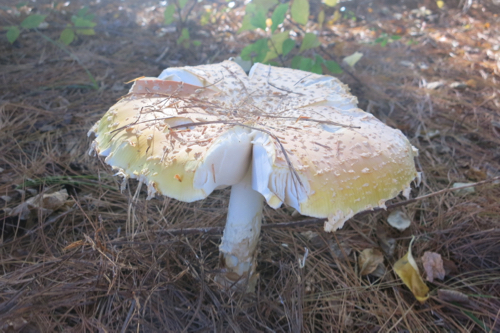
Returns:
(77, 254)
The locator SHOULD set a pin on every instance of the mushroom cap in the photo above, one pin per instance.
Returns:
(195, 129)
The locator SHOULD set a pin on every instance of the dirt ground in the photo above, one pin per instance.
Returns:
(102, 260)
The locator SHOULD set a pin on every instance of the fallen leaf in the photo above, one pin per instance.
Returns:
(434, 85)
(399, 220)
(386, 243)
(353, 58)
(450, 268)
(369, 260)
(458, 85)
(406, 268)
(335, 17)
(43, 202)
(341, 251)
(433, 265)
(463, 191)
(452, 296)
(13, 325)
(471, 83)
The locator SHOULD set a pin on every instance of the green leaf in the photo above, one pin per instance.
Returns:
(321, 18)
(182, 3)
(33, 21)
(184, 36)
(82, 11)
(67, 36)
(296, 62)
(265, 5)
(246, 24)
(82, 23)
(12, 34)
(310, 41)
(395, 37)
(278, 15)
(258, 19)
(330, 3)
(300, 11)
(196, 43)
(316, 68)
(21, 4)
(319, 59)
(256, 52)
(306, 64)
(275, 45)
(168, 14)
(288, 45)
(383, 43)
(333, 67)
(84, 14)
(87, 32)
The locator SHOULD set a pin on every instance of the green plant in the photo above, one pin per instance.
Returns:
(82, 24)
(384, 38)
(276, 48)
(185, 39)
(169, 17)
(31, 22)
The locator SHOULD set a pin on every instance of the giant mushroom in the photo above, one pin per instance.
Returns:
(277, 135)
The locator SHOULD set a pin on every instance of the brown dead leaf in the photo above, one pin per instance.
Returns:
(13, 325)
(45, 203)
(369, 260)
(450, 268)
(386, 243)
(433, 265)
(406, 268)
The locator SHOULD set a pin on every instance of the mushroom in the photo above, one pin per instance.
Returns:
(278, 134)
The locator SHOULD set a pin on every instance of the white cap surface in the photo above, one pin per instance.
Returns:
(309, 144)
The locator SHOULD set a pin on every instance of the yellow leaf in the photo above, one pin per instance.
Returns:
(353, 58)
(406, 268)
(269, 22)
(321, 18)
(330, 3)
(335, 17)
(440, 4)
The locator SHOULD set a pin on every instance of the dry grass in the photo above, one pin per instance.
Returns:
(106, 262)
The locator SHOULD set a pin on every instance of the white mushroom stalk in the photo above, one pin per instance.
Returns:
(279, 135)
(241, 234)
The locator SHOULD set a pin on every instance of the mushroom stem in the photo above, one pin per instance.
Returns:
(241, 235)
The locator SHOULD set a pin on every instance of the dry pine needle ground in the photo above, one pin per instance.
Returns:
(104, 261)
